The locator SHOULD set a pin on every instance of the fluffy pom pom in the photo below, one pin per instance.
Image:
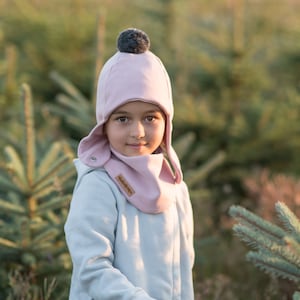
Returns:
(133, 40)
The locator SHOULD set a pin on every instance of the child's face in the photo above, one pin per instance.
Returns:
(136, 128)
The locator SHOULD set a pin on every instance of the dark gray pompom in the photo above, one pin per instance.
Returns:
(133, 40)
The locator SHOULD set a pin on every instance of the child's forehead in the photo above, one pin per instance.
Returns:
(138, 106)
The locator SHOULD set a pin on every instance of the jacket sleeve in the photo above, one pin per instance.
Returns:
(90, 235)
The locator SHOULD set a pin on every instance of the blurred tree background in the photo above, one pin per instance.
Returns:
(235, 70)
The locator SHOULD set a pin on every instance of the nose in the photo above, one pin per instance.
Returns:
(137, 130)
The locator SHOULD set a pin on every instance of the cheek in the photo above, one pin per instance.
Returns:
(160, 132)
(111, 133)
(114, 135)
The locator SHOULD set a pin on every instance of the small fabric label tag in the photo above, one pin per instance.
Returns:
(125, 185)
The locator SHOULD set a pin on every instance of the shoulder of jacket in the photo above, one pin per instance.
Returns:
(91, 176)
(83, 169)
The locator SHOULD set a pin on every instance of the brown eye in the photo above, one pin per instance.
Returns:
(122, 119)
(150, 118)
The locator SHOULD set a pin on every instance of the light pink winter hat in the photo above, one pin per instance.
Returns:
(133, 73)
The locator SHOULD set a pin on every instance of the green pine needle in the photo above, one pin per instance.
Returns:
(288, 218)
(274, 266)
(251, 220)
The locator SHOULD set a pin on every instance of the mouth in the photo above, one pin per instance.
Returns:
(136, 145)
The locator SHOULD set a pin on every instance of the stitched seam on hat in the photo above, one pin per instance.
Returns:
(125, 185)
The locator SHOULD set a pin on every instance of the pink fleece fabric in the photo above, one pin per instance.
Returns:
(146, 181)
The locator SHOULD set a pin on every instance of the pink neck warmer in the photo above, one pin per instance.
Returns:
(146, 181)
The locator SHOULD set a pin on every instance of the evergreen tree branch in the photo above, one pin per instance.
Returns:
(274, 265)
(293, 244)
(46, 190)
(6, 184)
(251, 220)
(29, 133)
(16, 167)
(296, 296)
(10, 208)
(51, 155)
(261, 241)
(7, 243)
(48, 234)
(288, 218)
(277, 253)
(69, 88)
(47, 178)
(197, 175)
(54, 203)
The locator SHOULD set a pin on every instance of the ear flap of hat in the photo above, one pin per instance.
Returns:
(170, 152)
(93, 150)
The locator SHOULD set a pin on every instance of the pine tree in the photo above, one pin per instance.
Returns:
(276, 250)
(73, 107)
(33, 204)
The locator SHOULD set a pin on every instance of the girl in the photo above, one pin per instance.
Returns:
(130, 226)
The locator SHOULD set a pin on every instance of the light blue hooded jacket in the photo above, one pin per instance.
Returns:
(121, 253)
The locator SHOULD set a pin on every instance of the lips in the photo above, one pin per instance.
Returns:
(136, 145)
